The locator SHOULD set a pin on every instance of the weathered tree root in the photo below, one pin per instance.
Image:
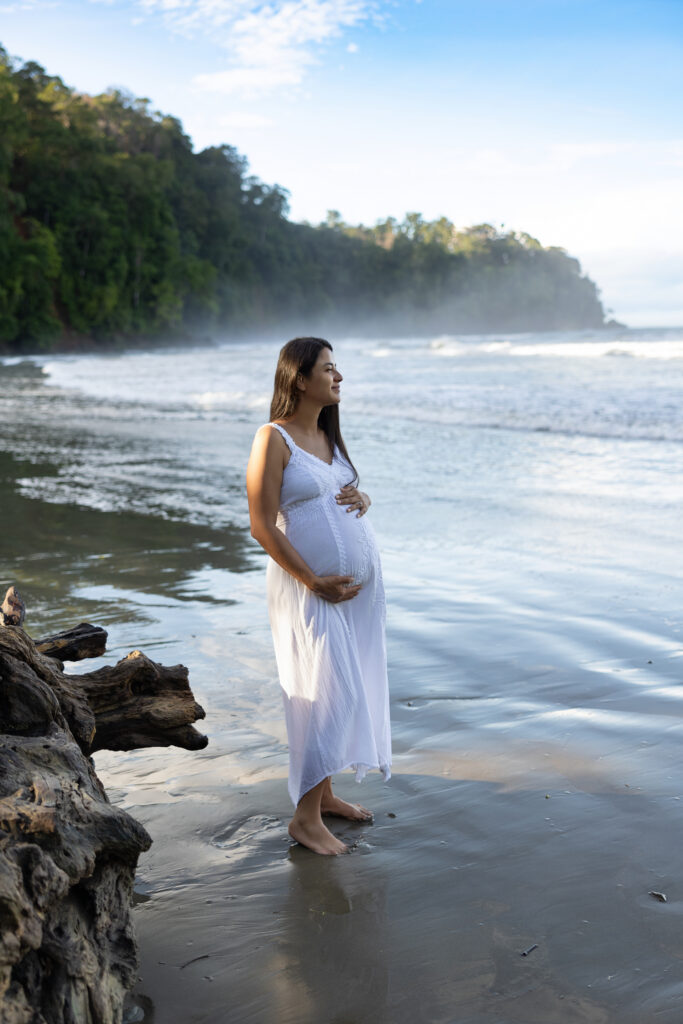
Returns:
(83, 641)
(138, 703)
(67, 855)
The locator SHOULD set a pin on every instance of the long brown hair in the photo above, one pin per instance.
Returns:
(299, 356)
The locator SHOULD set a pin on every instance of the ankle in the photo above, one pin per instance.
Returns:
(306, 816)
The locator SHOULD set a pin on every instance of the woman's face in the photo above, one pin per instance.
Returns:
(322, 384)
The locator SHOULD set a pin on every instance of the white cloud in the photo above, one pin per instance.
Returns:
(244, 119)
(248, 81)
(269, 45)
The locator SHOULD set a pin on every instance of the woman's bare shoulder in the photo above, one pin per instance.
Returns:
(269, 441)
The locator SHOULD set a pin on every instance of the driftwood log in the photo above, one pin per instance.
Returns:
(67, 855)
(83, 641)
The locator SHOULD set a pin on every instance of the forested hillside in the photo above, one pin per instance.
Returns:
(111, 227)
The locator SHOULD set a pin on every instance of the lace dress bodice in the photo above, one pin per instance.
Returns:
(330, 539)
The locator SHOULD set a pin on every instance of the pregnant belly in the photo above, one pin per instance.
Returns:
(336, 544)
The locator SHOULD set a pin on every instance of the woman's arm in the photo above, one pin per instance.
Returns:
(267, 461)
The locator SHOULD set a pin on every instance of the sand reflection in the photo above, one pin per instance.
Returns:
(332, 952)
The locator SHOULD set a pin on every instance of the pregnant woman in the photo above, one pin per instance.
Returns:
(325, 591)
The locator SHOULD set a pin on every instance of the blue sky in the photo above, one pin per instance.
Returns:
(557, 117)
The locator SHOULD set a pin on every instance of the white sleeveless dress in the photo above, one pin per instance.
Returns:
(331, 658)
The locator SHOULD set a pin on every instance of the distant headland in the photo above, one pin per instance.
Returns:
(113, 230)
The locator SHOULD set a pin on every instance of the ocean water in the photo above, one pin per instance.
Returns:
(542, 471)
(527, 494)
(426, 408)
(525, 477)
(544, 443)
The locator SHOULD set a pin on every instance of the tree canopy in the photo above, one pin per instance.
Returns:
(111, 226)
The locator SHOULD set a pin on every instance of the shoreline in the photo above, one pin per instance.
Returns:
(86, 345)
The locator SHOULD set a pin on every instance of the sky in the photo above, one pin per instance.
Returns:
(561, 118)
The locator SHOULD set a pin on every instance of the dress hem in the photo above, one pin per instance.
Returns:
(361, 769)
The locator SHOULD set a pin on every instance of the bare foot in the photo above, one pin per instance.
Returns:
(332, 804)
(316, 837)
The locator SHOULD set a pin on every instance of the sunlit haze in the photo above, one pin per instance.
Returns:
(553, 117)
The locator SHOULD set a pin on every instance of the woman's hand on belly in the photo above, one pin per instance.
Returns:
(335, 588)
(355, 499)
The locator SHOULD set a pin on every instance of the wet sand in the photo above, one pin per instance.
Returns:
(426, 919)
(538, 813)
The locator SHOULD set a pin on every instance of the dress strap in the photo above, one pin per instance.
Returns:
(290, 443)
